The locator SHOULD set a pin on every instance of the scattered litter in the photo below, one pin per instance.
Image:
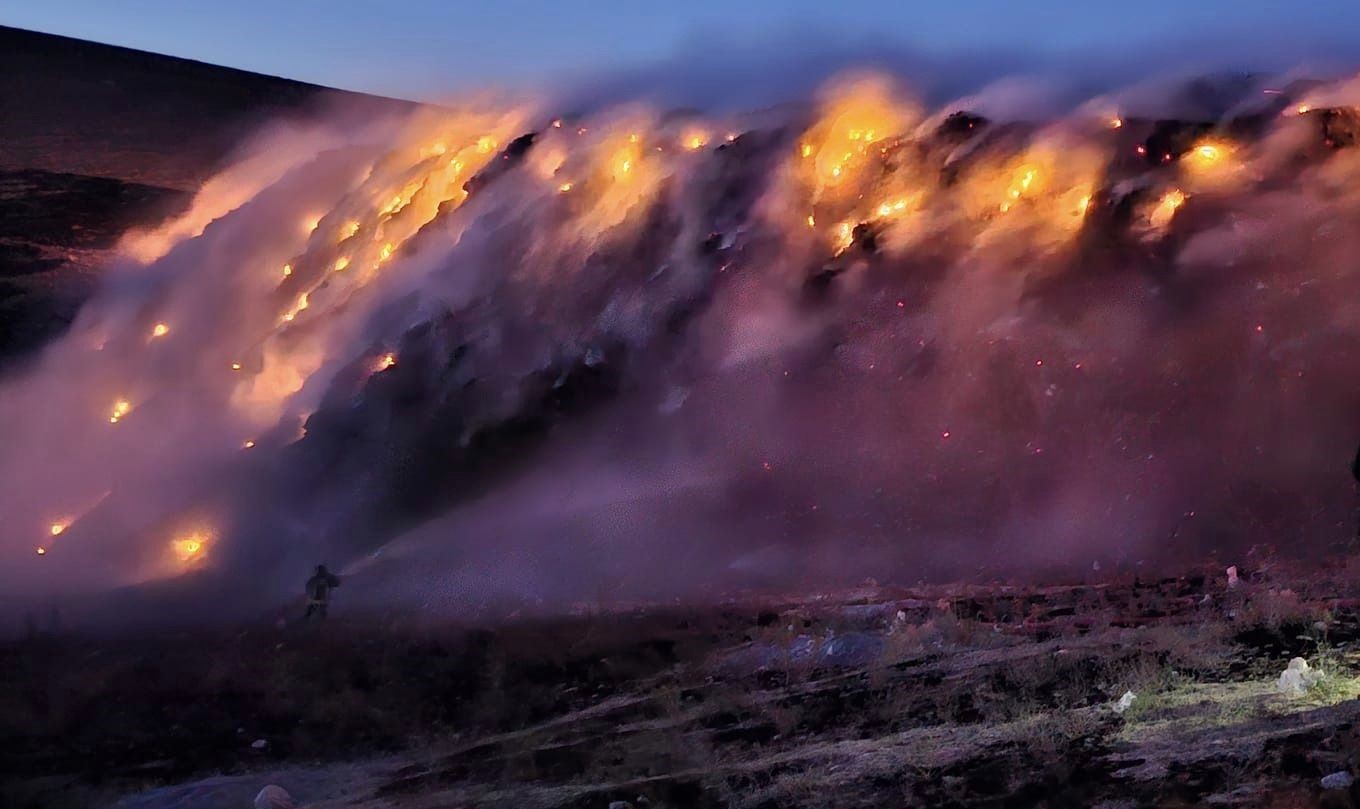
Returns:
(273, 797)
(1337, 780)
(1125, 702)
(1298, 678)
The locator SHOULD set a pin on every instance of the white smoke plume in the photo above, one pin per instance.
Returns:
(486, 353)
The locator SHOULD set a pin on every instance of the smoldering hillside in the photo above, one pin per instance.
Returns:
(497, 353)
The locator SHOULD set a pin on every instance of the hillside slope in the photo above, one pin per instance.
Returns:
(95, 139)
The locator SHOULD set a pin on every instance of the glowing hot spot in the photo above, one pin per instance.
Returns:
(189, 548)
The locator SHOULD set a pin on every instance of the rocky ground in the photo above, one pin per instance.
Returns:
(963, 696)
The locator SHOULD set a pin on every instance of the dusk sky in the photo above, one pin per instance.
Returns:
(420, 48)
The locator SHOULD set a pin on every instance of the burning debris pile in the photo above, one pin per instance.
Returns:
(857, 335)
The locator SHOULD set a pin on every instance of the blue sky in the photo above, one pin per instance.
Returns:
(423, 48)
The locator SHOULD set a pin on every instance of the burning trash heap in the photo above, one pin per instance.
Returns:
(896, 328)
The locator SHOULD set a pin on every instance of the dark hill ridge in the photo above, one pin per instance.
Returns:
(84, 108)
(96, 139)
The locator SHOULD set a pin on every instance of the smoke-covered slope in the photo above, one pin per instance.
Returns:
(491, 352)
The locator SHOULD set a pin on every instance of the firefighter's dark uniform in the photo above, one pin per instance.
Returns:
(319, 591)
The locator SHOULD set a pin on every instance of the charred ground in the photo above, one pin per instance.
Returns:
(987, 696)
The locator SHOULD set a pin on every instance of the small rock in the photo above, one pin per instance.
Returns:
(259, 744)
(1232, 576)
(1125, 702)
(1297, 678)
(273, 797)
(1337, 780)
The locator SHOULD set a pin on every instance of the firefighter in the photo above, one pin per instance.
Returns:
(1355, 472)
(319, 591)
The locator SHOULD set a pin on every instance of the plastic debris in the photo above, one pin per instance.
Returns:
(1297, 678)
(1337, 780)
(274, 797)
(1125, 702)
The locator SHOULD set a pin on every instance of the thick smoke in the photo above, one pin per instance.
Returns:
(488, 355)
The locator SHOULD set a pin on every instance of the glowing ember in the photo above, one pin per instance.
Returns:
(341, 263)
(1116, 122)
(695, 140)
(297, 307)
(387, 361)
(386, 252)
(349, 230)
(188, 549)
(1166, 208)
(287, 270)
(889, 208)
(120, 409)
(844, 235)
(485, 144)
(42, 551)
(160, 330)
(56, 528)
(564, 188)
(1209, 155)
(236, 366)
(248, 444)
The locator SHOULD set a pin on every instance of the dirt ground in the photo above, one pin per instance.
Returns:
(949, 696)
